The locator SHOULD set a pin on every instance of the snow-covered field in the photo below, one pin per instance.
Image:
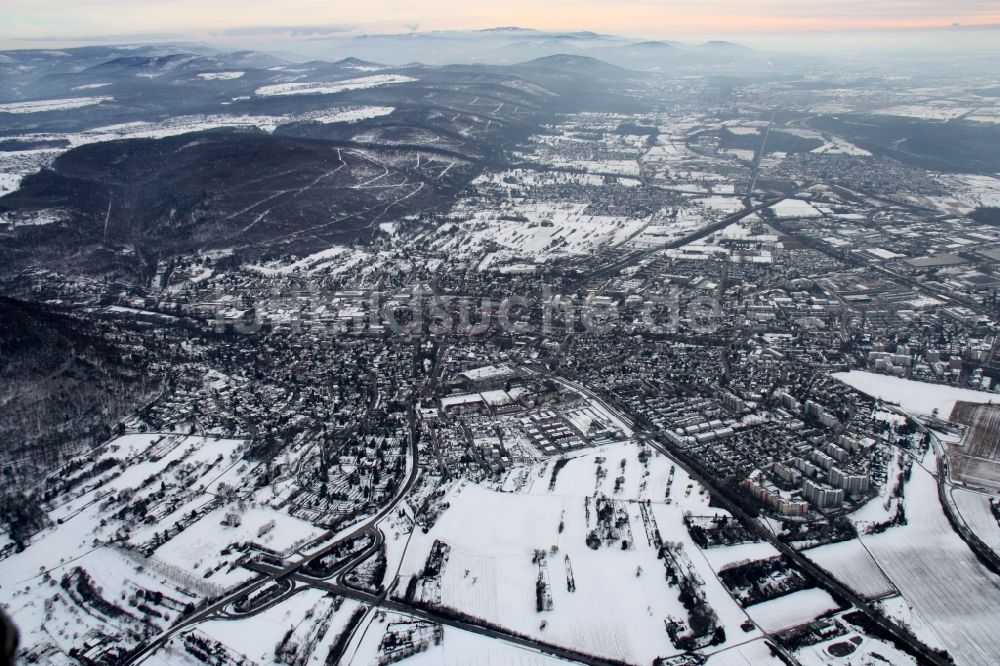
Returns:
(725, 204)
(925, 111)
(314, 618)
(955, 599)
(720, 557)
(789, 208)
(974, 508)
(9, 182)
(334, 260)
(540, 230)
(690, 218)
(739, 153)
(619, 598)
(756, 653)
(220, 76)
(850, 563)
(913, 396)
(970, 191)
(38, 106)
(792, 609)
(353, 115)
(330, 87)
(166, 484)
(198, 548)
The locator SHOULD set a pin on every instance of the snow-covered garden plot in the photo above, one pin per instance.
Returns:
(597, 472)
(975, 510)
(303, 627)
(527, 178)
(718, 245)
(739, 153)
(792, 609)
(333, 260)
(968, 191)
(743, 130)
(540, 230)
(913, 396)
(53, 619)
(850, 563)
(455, 648)
(139, 523)
(199, 547)
(330, 87)
(955, 598)
(608, 598)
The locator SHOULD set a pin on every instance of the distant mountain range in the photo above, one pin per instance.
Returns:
(511, 45)
(494, 46)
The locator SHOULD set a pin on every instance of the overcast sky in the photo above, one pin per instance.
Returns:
(25, 23)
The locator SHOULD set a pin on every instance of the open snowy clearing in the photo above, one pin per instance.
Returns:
(913, 396)
(972, 190)
(539, 230)
(220, 76)
(925, 111)
(792, 609)
(791, 208)
(610, 601)
(721, 557)
(38, 106)
(757, 653)
(198, 548)
(353, 115)
(331, 87)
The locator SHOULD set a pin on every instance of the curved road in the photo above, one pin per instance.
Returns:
(143, 651)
